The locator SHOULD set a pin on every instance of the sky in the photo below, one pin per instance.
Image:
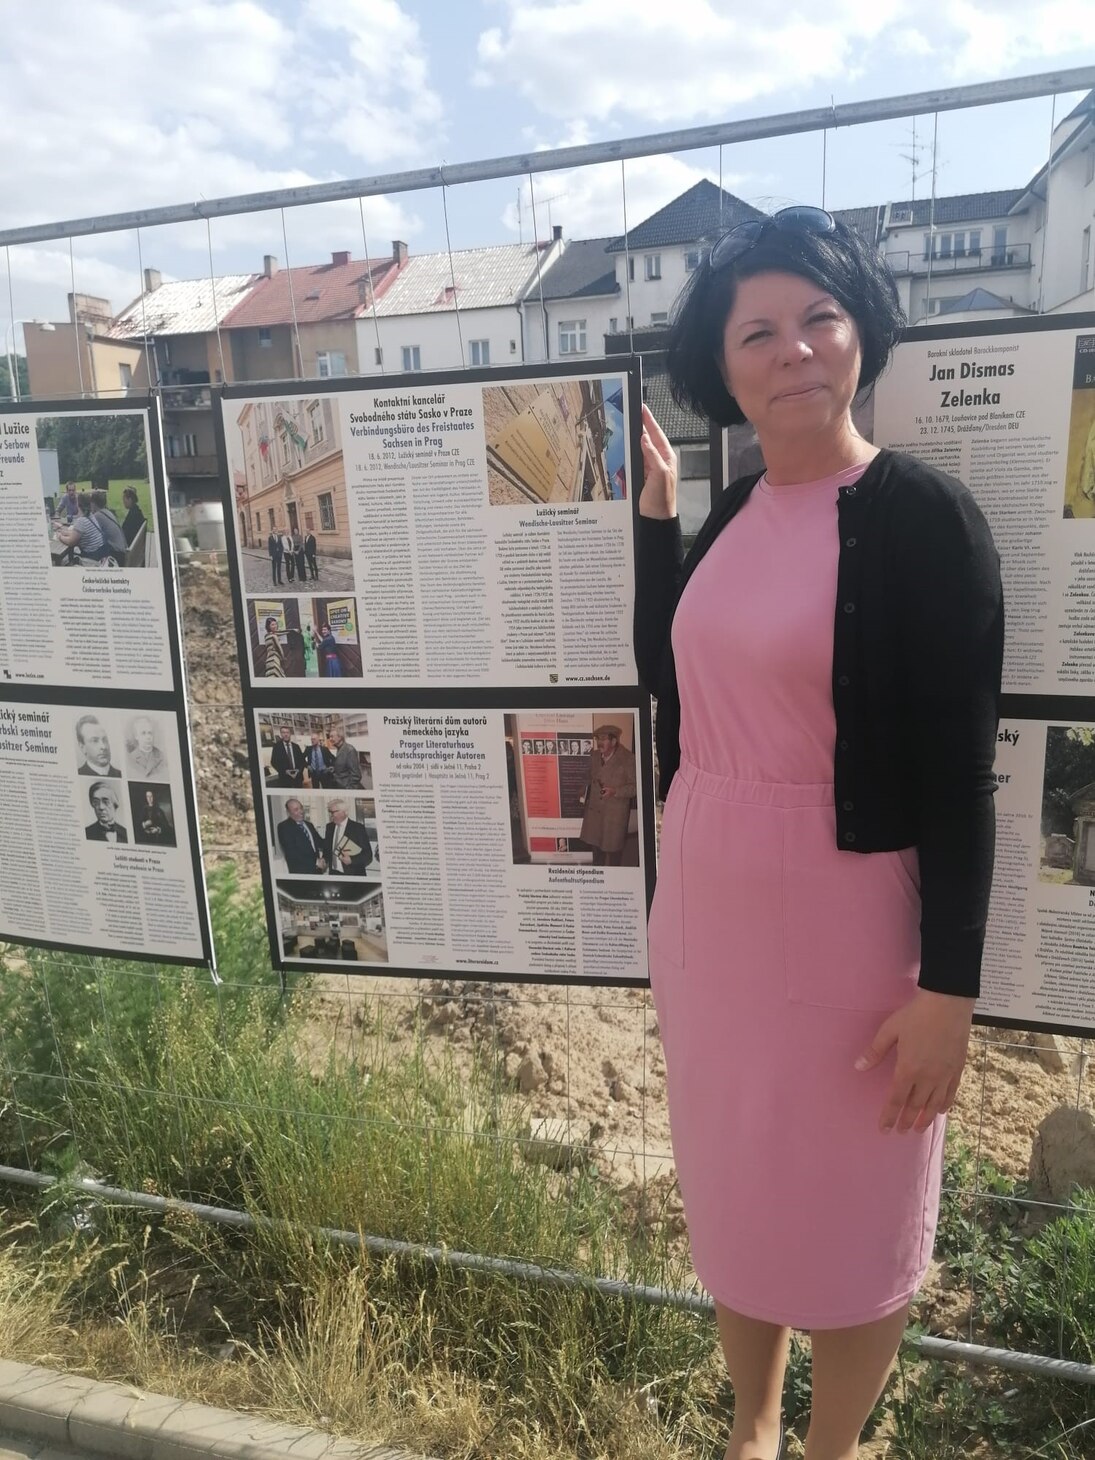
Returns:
(116, 105)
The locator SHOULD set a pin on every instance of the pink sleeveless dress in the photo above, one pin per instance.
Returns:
(775, 956)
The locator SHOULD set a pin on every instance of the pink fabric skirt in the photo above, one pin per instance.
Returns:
(774, 958)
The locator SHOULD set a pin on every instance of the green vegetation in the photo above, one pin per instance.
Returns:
(155, 1079)
(97, 447)
(114, 490)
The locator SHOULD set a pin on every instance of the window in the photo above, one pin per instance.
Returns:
(326, 505)
(315, 420)
(264, 339)
(975, 242)
(652, 265)
(572, 337)
(691, 260)
(480, 352)
(513, 347)
(612, 323)
(1089, 170)
(378, 357)
(1085, 260)
(330, 363)
(631, 270)
(190, 444)
(659, 317)
(695, 461)
(412, 357)
(258, 522)
(271, 512)
(1000, 244)
(173, 446)
(125, 375)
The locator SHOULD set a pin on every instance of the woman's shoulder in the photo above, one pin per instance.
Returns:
(905, 476)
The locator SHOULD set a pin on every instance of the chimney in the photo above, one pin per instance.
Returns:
(342, 257)
(365, 292)
(399, 251)
(269, 265)
(152, 280)
(556, 233)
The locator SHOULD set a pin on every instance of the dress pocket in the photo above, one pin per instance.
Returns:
(666, 929)
(851, 921)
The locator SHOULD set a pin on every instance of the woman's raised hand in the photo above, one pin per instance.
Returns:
(659, 494)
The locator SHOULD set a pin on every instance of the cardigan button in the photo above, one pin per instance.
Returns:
(849, 836)
(849, 608)
(844, 681)
(850, 541)
(844, 745)
(848, 805)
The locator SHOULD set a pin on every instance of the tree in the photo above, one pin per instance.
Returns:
(1070, 765)
(20, 376)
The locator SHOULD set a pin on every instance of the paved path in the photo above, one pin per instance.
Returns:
(336, 575)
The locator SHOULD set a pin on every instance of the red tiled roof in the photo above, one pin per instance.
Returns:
(319, 291)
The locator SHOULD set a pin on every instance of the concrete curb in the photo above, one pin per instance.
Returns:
(127, 1423)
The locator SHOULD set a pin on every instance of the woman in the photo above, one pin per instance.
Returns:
(328, 653)
(155, 829)
(827, 664)
(83, 534)
(134, 518)
(274, 667)
(311, 653)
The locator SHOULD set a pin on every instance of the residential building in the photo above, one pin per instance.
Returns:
(302, 323)
(178, 325)
(446, 311)
(1064, 193)
(293, 478)
(604, 287)
(77, 356)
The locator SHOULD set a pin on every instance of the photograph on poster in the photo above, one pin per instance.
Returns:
(1080, 462)
(555, 441)
(290, 489)
(332, 920)
(146, 750)
(1068, 807)
(573, 787)
(325, 834)
(98, 499)
(153, 818)
(304, 638)
(105, 799)
(93, 749)
(314, 750)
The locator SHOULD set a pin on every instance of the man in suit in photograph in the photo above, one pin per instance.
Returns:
(346, 845)
(318, 760)
(345, 771)
(287, 760)
(300, 842)
(276, 550)
(94, 745)
(104, 802)
(310, 554)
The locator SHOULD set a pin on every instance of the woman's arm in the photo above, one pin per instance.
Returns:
(659, 552)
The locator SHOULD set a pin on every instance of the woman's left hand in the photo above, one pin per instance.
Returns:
(932, 1035)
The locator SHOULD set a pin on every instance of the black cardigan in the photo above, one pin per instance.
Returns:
(917, 660)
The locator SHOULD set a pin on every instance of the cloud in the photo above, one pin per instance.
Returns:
(668, 63)
(123, 106)
(697, 59)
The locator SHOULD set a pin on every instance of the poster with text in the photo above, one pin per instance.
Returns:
(1009, 409)
(452, 531)
(101, 851)
(482, 842)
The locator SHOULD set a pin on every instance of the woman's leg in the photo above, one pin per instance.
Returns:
(756, 1357)
(850, 1368)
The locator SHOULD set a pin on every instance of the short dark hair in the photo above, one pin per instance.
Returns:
(842, 263)
(83, 501)
(98, 499)
(129, 495)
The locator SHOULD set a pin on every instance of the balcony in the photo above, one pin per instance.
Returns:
(193, 466)
(969, 261)
(187, 398)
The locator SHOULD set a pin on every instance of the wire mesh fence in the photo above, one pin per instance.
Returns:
(143, 1079)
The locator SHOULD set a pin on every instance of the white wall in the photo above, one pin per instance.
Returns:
(438, 340)
(651, 296)
(1071, 210)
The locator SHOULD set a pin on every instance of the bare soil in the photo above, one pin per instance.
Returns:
(587, 1060)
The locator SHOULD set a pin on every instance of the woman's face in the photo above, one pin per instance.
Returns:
(791, 355)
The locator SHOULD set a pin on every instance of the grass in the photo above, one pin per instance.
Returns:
(154, 1079)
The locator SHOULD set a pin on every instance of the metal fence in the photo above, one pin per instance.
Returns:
(574, 1015)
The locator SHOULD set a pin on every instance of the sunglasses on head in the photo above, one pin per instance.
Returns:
(741, 238)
